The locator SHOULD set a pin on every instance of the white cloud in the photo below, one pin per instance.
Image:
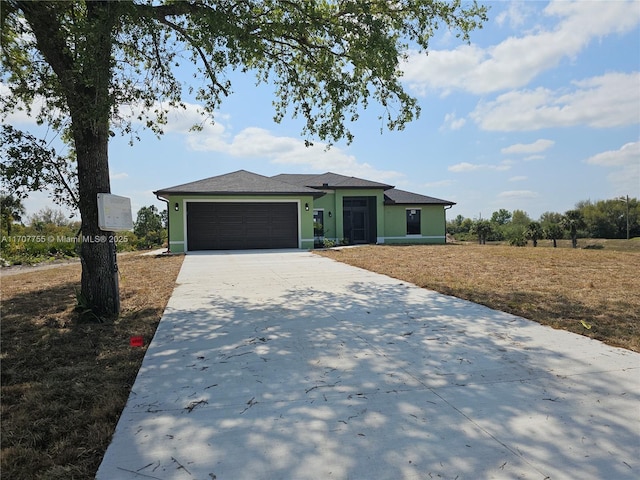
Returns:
(259, 143)
(472, 167)
(452, 122)
(628, 154)
(256, 142)
(518, 178)
(521, 148)
(119, 176)
(515, 61)
(441, 69)
(183, 120)
(518, 194)
(21, 115)
(464, 167)
(625, 180)
(605, 101)
(515, 14)
(625, 168)
(440, 183)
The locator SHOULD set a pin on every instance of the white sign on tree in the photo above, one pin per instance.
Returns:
(114, 213)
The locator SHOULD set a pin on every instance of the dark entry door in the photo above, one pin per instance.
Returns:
(357, 223)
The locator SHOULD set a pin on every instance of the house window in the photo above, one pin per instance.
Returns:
(318, 228)
(413, 221)
(318, 223)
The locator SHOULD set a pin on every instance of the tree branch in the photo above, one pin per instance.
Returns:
(161, 12)
(194, 44)
(66, 186)
(51, 44)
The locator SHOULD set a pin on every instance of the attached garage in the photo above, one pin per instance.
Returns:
(244, 211)
(241, 225)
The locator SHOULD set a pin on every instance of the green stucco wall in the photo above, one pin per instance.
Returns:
(328, 204)
(332, 202)
(391, 219)
(432, 224)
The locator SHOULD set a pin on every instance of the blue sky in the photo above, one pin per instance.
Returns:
(540, 111)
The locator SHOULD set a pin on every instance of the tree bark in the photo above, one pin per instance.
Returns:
(99, 284)
(83, 70)
(90, 112)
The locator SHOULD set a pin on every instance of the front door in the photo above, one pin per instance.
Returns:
(357, 215)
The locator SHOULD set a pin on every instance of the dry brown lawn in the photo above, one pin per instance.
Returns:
(591, 292)
(64, 383)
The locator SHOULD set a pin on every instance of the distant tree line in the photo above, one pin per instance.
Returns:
(49, 234)
(615, 218)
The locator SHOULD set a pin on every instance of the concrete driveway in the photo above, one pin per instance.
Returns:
(287, 365)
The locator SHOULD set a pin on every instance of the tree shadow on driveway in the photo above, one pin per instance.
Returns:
(365, 376)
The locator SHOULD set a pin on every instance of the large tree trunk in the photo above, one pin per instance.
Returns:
(90, 113)
(83, 65)
(99, 285)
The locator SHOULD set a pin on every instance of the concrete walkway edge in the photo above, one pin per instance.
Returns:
(287, 365)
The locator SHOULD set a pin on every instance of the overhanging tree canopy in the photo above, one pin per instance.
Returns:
(77, 65)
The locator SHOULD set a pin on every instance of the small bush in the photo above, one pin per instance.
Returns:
(151, 240)
(328, 243)
(466, 237)
(518, 241)
(30, 252)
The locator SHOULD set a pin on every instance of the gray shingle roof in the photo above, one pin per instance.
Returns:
(238, 183)
(332, 181)
(401, 197)
(243, 182)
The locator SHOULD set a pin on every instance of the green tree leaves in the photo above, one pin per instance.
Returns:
(11, 210)
(325, 59)
(608, 218)
(28, 164)
(148, 227)
(83, 67)
(573, 221)
(601, 219)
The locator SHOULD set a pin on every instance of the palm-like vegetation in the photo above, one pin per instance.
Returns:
(573, 221)
(534, 232)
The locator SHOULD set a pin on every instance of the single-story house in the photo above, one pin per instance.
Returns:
(244, 210)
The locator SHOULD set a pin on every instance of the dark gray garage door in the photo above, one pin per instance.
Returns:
(238, 226)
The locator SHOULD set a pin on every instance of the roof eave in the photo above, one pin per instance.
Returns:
(391, 202)
(360, 187)
(314, 194)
